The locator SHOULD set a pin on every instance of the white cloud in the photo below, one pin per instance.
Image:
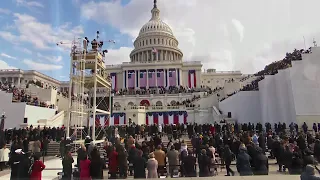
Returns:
(4, 65)
(40, 35)
(52, 59)
(205, 27)
(29, 4)
(7, 56)
(4, 11)
(117, 56)
(25, 50)
(41, 66)
(239, 27)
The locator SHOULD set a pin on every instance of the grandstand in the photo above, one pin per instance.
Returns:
(285, 91)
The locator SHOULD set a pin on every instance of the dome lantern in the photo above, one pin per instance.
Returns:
(155, 11)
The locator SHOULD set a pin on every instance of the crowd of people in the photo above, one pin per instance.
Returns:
(272, 69)
(162, 90)
(212, 145)
(22, 96)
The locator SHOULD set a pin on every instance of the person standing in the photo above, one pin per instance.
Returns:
(173, 159)
(37, 169)
(67, 161)
(4, 156)
(85, 169)
(152, 167)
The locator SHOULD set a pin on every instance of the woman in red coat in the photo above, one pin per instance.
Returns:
(113, 164)
(85, 169)
(37, 168)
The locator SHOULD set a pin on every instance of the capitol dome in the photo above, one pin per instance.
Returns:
(155, 25)
(156, 41)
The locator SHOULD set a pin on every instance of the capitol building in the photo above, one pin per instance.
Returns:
(155, 86)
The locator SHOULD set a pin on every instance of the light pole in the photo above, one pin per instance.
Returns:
(2, 135)
(3, 118)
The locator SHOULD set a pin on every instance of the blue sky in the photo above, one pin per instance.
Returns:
(31, 29)
(224, 35)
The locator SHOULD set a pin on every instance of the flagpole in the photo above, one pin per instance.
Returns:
(304, 40)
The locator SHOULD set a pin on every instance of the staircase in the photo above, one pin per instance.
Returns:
(53, 148)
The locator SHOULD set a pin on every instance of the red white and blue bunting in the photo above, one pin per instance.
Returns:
(173, 117)
(104, 120)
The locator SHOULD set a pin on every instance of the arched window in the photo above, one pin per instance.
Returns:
(158, 103)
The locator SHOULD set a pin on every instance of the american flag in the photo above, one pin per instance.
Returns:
(152, 79)
(131, 79)
(143, 78)
(154, 50)
(160, 78)
(172, 78)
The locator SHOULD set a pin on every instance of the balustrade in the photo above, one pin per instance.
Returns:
(164, 108)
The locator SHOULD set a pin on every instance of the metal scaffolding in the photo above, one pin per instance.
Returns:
(87, 75)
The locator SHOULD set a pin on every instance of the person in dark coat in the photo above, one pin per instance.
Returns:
(14, 162)
(262, 142)
(243, 162)
(297, 162)
(287, 158)
(316, 150)
(308, 159)
(97, 165)
(139, 166)
(309, 174)
(123, 162)
(204, 164)
(227, 157)
(81, 154)
(67, 166)
(261, 166)
(189, 164)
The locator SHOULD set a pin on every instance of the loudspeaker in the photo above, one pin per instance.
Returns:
(229, 115)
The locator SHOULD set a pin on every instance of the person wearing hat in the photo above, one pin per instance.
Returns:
(20, 165)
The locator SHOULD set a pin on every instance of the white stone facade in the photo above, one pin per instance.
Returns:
(20, 78)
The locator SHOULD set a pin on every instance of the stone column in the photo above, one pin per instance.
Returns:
(138, 79)
(164, 79)
(176, 76)
(155, 71)
(19, 79)
(147, 78)
(168, 78)
(181, 77)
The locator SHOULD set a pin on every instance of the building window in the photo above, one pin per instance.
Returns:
(208, 82)
(154, 41)
(150, 42)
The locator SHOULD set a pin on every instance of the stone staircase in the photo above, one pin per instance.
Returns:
(53, 148)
